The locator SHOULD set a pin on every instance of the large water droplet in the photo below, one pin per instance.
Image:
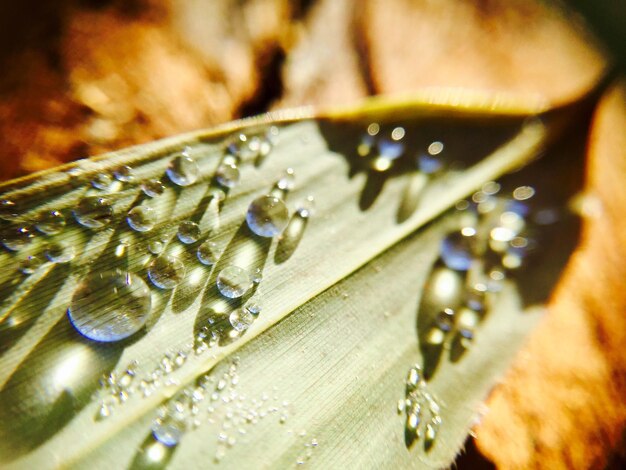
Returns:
(15, 239)
(233, 282)
(166, 272)
(94, 212)
(456, 251)
(142, 218)
(183, 170)
(60, 253)
(110, 306)
(189, 232)
(153, 188)
(207, 253)
(241, 319)
(267, 216)
(50, 223)
(227, 173)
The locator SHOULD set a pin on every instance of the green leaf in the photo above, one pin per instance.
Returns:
(346, 294)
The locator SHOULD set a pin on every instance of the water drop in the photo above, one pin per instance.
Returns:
(287, 180)
(166, 272)
(398, 133)
(156, 247)
(124, 174)
(233, 282)
(267, 216)
(102, 181)
(189, 232)
(15, 239)
(227, 173)
(373, 128)
(8, 209)
(183, 170)
(241, 319)
(153, 188)
(94, 212)
(523, 193)
(30, 264)
(169, 429)
(257, 276)
(414, 377)
(60, 253)
(432, 429)
(253, 308)
(456, 251)
(110, 306)
(306, 208)
(207, 253)
(141, 218)
(218, 195)
(445, 319)
(50, 223)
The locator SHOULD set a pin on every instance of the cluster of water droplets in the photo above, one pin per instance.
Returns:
(421, 410)
(382, 149)
(214, 400)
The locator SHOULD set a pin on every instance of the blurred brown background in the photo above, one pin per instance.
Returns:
(81, 77)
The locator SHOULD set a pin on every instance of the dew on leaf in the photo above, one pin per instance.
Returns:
(94, 212)
(50, 222)
(166, 272)
(153, 188)
(267, 216)
(142, 218)
(183, 170)
(233, 282)
(189, 232)
(110, 306)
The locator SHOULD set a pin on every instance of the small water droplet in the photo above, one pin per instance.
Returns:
(445, 319)
(306, 208)
(153, 188)
(15, 239)
(60, 253)
(102, 181)
(169, 430)
(207, 253)
(267, 216)
(50, 222)
(373, 129)
(398, 133)
(156, 247)
(124, 174)
(233, 282)
(166, 272)
(142, 218)
(94, 212)
(227, 173)
(183, 170)
(432, 429)
(287, 180)
(257, 276)
(253, 308)
(189, 232)
(241, 319)
(30, 264)
(456, 251)
(8, 209)
(110, 306)
(523, 193)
